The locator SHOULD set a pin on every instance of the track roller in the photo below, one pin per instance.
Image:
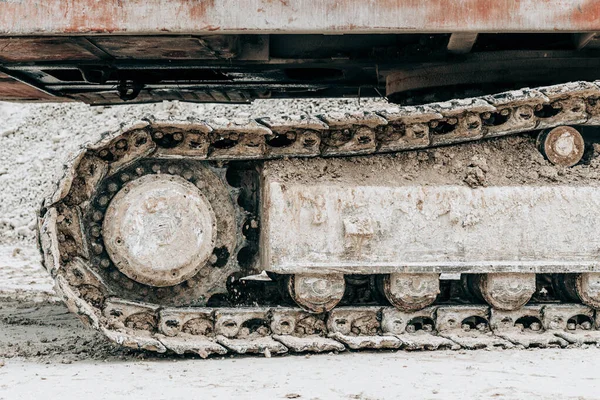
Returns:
(562, 145)
(503, 291)
(565, 287)
(574, 288)
(410, 292)
(316, 293)
(587, 286)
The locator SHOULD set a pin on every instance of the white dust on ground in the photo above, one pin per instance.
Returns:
(45, 352)
(539, 374)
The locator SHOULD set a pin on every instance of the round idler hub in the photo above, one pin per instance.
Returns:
(411, 292)
(505, 291)
(562, 145)
(316, 293)
(159, 230)
(588, 289)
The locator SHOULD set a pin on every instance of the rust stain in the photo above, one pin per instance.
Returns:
(13, 90)
(486, 12)
(286, 3)
(200, 10)
(494, 15)
(41, 49)
(143, 17)
(92, 16)
(588, 13)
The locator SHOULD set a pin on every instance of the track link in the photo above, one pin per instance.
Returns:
(273, 330)
(279, 330)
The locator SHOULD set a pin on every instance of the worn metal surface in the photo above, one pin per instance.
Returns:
(562, 145)
(480, 68)
(162, 320)
(12, 90)
(461, 43)
(258, 330)
(151, 222)
(27, 17)
(173, 48)
(526, 327)
(588, 289)
(316, 293)
(411, 292)
(469, 326)
(159, 230)
(506, 291)
(43, 49)
(359, 227)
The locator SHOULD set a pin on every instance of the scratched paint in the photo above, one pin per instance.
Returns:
(31, 17)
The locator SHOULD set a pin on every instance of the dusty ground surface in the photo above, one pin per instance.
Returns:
(46, 353)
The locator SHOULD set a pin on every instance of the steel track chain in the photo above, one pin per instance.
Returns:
(390, 129)
(268, 330)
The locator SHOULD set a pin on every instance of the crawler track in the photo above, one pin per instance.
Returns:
(178, 318)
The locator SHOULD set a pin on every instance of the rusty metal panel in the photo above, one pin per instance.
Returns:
(34, 17)
(355, 227)
(42, 49)
(12, 89)
(160, 47)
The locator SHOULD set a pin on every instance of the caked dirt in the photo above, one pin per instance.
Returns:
(505, 161)
(34, 323)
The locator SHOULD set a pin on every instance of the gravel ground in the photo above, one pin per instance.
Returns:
(46, 353)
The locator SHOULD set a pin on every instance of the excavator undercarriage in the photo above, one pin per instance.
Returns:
(342, 230)
(458, 214)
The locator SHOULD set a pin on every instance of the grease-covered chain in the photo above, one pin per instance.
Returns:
(267, 330)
